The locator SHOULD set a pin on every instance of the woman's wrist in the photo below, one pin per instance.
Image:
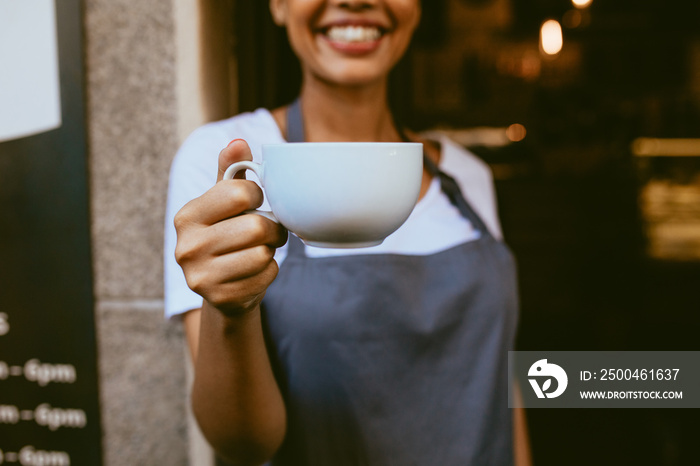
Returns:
(232, 319)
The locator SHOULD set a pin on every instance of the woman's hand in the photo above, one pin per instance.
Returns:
(228, 257)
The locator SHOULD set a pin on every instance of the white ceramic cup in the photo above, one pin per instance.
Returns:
(339, 194)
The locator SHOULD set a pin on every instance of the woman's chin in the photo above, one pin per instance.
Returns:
(353, 78)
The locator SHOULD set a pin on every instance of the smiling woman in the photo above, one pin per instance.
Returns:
(390, 354)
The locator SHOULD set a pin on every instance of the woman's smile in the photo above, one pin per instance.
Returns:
(348, 42)
(354, 39)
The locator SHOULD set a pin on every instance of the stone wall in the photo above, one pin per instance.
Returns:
(133, 134)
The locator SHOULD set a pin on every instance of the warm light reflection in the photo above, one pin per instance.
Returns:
(581, 3)
(671, 215)
(551, 39)
(516, 132)
(572, 19)
(525, 64)
(669, 147)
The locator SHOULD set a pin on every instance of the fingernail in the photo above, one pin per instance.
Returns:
(237, 139)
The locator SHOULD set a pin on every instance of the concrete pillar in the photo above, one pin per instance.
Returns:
(154, 73)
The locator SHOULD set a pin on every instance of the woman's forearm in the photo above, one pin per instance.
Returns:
(235, 397)
(521, 437)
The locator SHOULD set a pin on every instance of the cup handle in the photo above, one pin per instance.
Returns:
(257, 169)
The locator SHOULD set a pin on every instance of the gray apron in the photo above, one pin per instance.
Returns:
(388, 359)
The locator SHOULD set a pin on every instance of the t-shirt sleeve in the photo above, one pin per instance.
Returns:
(192, 173)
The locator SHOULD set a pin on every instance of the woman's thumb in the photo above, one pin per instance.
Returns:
(236, 151)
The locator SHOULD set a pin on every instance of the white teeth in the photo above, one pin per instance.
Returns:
(353, 33)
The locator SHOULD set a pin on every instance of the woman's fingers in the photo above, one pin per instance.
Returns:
(235, 282)
(226, 199)
(203, 276)
(244, 231)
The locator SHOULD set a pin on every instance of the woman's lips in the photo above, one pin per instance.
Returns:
(353, 38)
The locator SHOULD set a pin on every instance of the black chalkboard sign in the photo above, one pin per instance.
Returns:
(49, 409)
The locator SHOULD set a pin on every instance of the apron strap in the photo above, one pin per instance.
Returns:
(295, 246)
(295, 133)
(452, 190)
(295, 122)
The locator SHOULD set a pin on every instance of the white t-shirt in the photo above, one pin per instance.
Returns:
(433, 226)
